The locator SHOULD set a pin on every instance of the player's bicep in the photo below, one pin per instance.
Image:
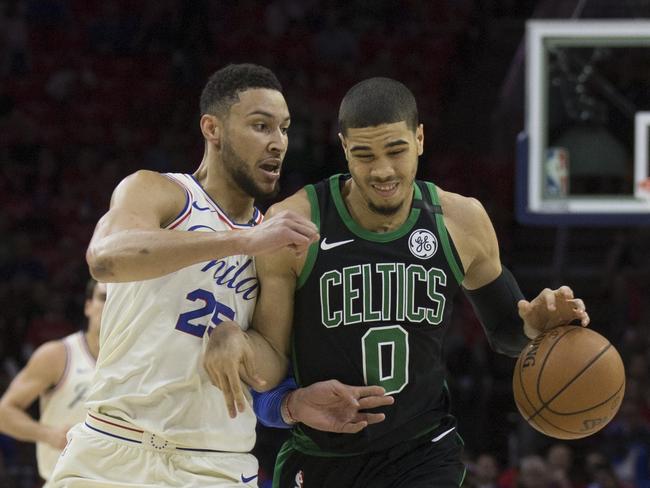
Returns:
(43, 371)
(274, 310)
(486, 263)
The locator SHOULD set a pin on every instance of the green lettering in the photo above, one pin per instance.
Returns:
(369, 315)
(349, 295)
(329, 319)
(436, 277)
(386, 281)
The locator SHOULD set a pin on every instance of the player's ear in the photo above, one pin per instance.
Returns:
(211, 129)
(419, 139)
(344, 145)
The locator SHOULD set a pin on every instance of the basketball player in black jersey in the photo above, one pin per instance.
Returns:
(371, 302)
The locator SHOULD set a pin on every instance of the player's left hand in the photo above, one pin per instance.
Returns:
(551, 308)
(332, 406)
(229, 357)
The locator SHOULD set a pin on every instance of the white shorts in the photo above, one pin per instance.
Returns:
(95, 459)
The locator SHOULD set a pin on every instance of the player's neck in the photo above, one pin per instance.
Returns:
(237, 204)
(370, 219)
(92, 340)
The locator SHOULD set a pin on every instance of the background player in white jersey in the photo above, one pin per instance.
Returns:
(176, 251)
(58, 373)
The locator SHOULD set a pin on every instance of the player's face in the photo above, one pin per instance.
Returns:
(254, 141)
(95, 306)
(383, 161)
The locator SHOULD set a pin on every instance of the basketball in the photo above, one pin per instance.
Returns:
(569, 382)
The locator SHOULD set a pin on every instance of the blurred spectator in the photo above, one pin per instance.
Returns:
(628, 441)
(334, 42)
(484, 473)
(560, 462)
(603, 476)
(14, 51)
(534, 473)
(47, 13)
(113, 31)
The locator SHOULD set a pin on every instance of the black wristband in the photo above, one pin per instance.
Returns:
(495, 304)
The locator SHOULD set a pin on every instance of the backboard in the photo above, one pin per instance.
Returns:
(584, 152)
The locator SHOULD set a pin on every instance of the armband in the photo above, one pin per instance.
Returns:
(495, 304)
(268, 405)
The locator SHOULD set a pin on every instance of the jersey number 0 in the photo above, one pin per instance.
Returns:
(386, 358)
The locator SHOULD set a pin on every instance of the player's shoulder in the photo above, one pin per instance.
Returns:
(49, 358)
(151, 180)
(298, 203)
(462, 209)
(150, 188)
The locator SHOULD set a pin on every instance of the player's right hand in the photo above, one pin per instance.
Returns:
(227, 358)
(285, 229)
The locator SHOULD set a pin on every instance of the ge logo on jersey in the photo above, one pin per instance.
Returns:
(423, 243)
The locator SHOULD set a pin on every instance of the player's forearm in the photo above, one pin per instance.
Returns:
(141, 254)
(495, 304)
(19, 425)
(271, 364)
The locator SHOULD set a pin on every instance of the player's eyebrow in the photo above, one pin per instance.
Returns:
(398, 142)
(266, 114)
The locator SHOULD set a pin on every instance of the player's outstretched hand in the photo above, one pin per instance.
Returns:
(228, 357)
(285, 229)
(334, 407)
(552, 308)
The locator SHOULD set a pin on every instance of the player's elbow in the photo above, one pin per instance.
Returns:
(100, 264)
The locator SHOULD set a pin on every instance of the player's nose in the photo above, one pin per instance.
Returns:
(382, 169)
(278, 142)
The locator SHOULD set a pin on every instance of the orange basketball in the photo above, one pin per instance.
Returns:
(569, 382)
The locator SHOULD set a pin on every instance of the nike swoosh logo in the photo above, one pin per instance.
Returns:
(244, 479)
(437, 438)
(324, 245)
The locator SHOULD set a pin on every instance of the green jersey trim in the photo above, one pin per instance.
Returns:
(312, 253)
(301, 442)
(462, 478)
(355, 228)
(444, 236)
(294, 359)
(283, 455)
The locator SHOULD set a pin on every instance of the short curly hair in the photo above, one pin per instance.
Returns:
(224, 86)
(377, 101)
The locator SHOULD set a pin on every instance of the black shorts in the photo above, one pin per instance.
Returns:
(419, 463)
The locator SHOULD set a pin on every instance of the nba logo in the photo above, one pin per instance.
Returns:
(556, 172)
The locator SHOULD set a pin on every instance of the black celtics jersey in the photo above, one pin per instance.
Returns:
(372, 309)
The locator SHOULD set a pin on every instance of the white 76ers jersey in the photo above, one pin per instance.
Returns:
(63, 406)
(149, 369)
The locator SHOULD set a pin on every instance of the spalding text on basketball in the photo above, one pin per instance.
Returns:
(529, 360)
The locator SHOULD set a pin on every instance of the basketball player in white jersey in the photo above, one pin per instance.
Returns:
(59, 374)
(177, 253)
